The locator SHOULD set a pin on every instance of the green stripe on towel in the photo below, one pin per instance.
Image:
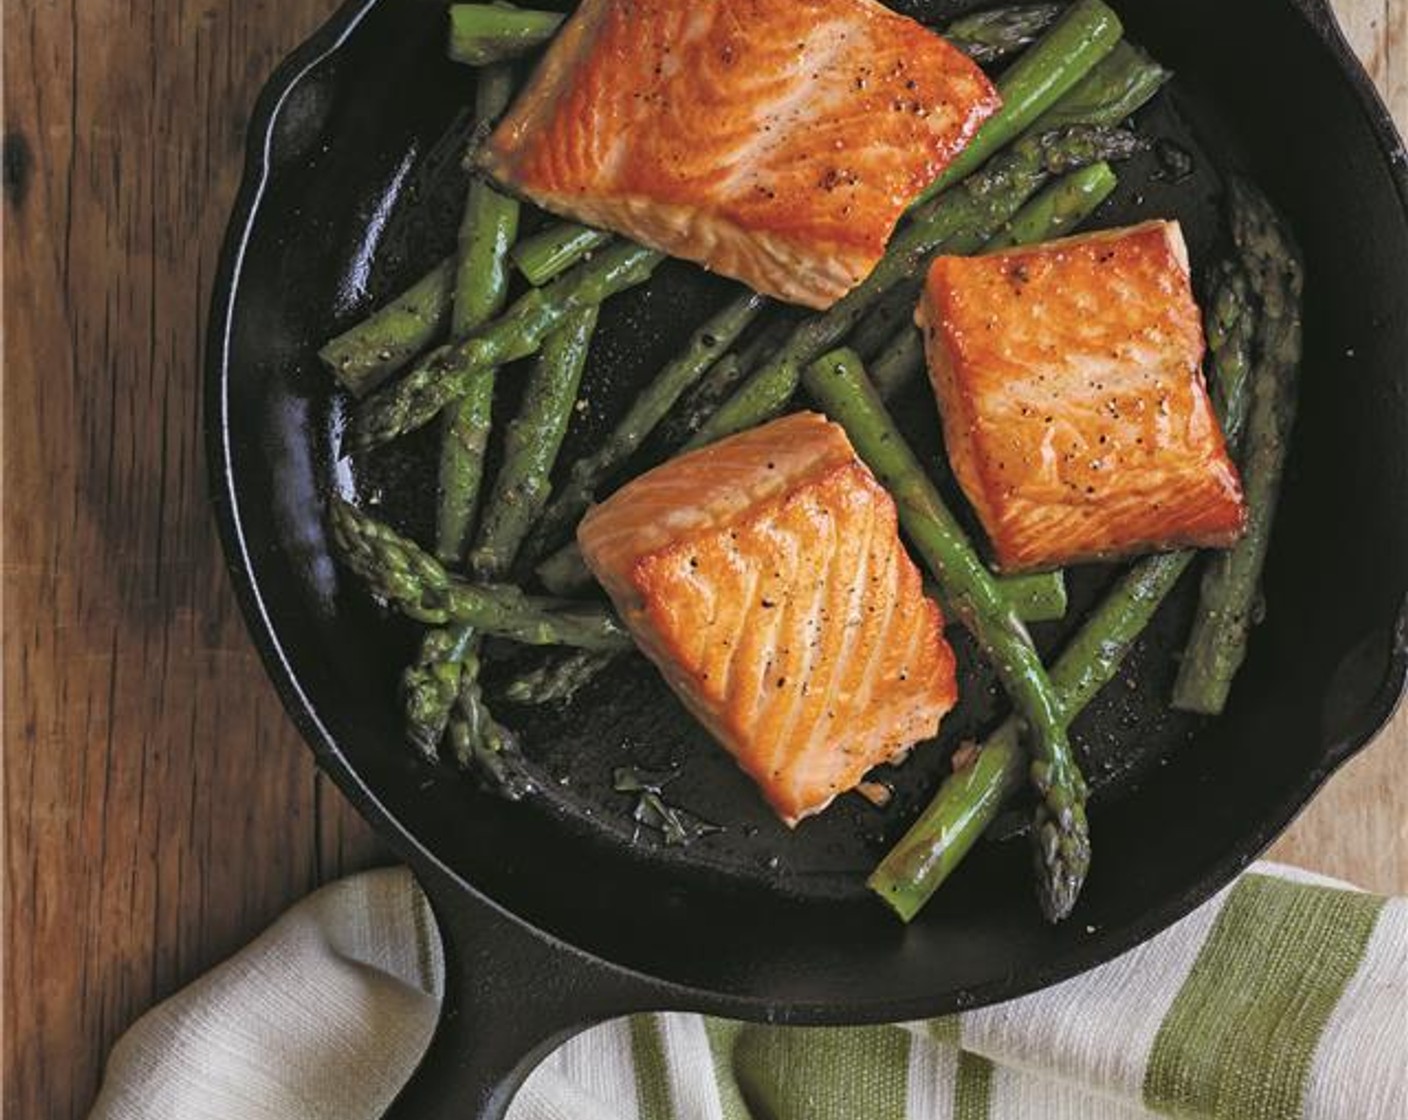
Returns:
(652, 1078)
(946, 1030)
(823, 1073)
(972, 1090)
(1238, 1041)
(722, 1034)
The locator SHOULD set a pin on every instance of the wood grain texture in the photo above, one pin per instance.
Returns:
(160, 809)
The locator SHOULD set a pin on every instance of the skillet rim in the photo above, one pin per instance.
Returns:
(225, 486)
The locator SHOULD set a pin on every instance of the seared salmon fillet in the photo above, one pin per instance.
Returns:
(774, 141)
(765, 577)
(1074, 409)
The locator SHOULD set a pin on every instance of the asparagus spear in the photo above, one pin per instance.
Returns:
(969, 800)
(1057, 210)
(972, 212)
(480, 743)
(1035, 596)
(560, 680)
(481, 34)
(898, 364)
(1037, 80)
(430, 687)
(1111, 91)
(554, 250)
(720, 382)
(1222, 626)
(705, 347)
(891, 315)
(488, 228)
(531, 445)
(1062, 844)
(398, 570)
(990, 36)
(1230, 325)
(365, 355)
(476, 737)
(449, 372)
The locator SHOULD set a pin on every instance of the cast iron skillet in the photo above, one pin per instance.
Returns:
(553, 913)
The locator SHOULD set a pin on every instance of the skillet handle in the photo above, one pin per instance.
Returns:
(512, 995)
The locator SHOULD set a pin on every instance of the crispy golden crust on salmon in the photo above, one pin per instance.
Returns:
(780, 606)
(1074, 410)
(774, 141)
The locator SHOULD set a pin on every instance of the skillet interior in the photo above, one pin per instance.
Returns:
(360, 197)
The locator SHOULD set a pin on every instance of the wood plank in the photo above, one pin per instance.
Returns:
(161, 809)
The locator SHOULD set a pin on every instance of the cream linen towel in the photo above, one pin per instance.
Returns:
(1285, 996)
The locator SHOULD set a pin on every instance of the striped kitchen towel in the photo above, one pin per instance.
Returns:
(1285, 996)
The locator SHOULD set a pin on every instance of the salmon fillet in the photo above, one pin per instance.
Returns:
(774, 141)
(1074, 410)
(765, 577)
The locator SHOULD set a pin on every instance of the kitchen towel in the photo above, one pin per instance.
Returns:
(1285, 996)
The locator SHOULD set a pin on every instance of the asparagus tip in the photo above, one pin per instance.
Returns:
(1061, 851)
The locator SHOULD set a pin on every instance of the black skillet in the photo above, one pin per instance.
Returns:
(556, 912)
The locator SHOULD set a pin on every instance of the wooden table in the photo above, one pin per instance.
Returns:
(160, 807)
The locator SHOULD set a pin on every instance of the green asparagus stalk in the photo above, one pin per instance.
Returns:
(969, 800)
(553, 251)
(1230, 324)
(1113, 89)
(365, 355)
(481, 744)
(588, 474)
(430, 687)
(481, 34)
(703, 400)
(1062, 844)
(488, 228)
(990, 36)
(490, 224)
(719, 383)
(418, 397)
(565, 572)
(1038, 79)
(1035, 596)
(531, 446)
(463, 443)
(899, 363)
(560, 680)
(971, 213)
(1057, 210)
(1231, 582)
(891, 315)
(398, 570)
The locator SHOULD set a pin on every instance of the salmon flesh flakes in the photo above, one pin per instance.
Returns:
(1074, 409)
(765, 577)
(773, 141)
